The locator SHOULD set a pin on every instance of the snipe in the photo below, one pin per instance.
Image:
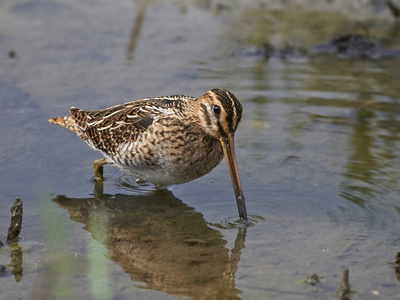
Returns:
(165, 140)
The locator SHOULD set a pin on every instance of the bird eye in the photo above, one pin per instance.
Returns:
(216, 109)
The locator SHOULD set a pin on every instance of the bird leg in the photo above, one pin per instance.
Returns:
(98, 169)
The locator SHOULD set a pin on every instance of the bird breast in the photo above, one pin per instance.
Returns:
(169, 153)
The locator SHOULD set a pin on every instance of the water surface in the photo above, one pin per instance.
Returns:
(317, 149)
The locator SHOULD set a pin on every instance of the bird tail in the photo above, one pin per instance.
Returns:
(58, 121)
(69, 123)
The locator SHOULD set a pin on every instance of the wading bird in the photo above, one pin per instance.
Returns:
(164, 140)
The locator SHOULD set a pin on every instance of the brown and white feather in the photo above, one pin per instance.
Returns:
(164, 140)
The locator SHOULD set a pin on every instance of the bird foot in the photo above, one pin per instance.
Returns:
(98, 169)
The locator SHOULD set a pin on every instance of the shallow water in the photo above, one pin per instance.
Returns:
(317, 149)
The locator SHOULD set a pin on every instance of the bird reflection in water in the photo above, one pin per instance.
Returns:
(162, 242)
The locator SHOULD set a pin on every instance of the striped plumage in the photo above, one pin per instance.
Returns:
(165, 140)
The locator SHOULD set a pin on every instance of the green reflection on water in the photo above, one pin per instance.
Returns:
(100, 278)
(55, 281)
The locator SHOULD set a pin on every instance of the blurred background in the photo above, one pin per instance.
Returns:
(317, 149)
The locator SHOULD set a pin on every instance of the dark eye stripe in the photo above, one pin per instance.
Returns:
(220, 129)
(230, 105)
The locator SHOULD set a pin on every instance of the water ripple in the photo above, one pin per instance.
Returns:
(126, 182)
(233, 222)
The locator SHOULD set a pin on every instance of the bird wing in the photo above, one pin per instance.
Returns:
(106, 129)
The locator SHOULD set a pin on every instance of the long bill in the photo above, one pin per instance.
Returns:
(229, 150)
